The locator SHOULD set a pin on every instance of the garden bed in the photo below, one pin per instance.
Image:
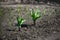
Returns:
(46, 28)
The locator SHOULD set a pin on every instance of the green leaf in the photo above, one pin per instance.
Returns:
(1, 12)
(44, 11)
(32, 12)
(18, 9)
(20, 21)
(35, 14)
(23, 21)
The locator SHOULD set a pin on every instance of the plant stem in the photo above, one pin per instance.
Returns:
(19, 28)
(34, 22)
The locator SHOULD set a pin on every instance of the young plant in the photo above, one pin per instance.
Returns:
(35, 15)
(19, 10)
(20, 22)
(1, 12)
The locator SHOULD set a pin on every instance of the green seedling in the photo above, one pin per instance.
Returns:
(18, 10)
(35, 15)
(1, 12)
(20, 22)
(44, 11)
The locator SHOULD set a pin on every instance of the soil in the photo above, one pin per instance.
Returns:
(47, 27)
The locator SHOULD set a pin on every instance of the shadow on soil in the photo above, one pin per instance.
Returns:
(24, 25)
